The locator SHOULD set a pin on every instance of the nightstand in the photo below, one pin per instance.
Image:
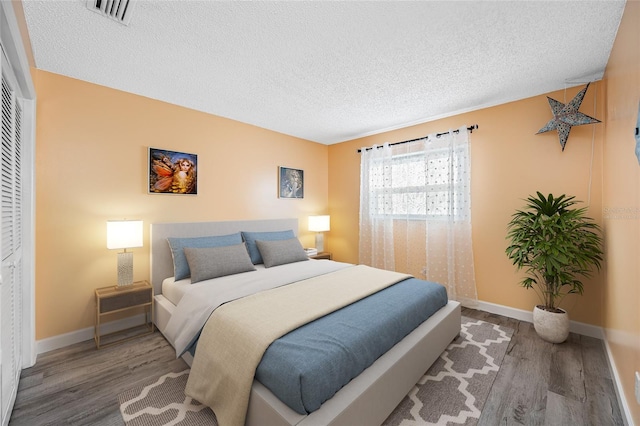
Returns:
(111, 300)
(322, 255)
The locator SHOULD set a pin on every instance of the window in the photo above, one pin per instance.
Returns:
(417, 185)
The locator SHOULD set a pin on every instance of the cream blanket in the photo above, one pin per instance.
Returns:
(202, 298)
(238, 333)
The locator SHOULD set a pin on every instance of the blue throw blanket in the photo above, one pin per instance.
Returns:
(310, 364)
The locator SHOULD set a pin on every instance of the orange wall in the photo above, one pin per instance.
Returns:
(508, 163)
(91, 166)
(622, 204)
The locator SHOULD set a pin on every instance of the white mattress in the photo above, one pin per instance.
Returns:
(174, 290)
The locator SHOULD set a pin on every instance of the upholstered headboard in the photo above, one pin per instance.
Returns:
(161, 259)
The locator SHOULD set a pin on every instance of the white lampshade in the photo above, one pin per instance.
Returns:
(123, 234)
(319, 223)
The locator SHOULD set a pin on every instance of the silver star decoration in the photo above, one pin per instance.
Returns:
(565, 116)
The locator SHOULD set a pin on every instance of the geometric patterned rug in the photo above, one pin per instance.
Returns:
(453, 391)
(163, 402)
(455, 388)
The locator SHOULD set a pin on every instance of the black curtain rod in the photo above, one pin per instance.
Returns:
(470, 129)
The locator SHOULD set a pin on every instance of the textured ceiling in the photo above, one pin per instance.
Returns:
(329, 71)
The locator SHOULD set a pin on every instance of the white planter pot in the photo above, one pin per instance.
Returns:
(551, 326)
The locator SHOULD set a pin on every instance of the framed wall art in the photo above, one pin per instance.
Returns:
(172, 172)
(290, 183)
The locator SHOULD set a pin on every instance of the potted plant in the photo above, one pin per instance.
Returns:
(555, 244)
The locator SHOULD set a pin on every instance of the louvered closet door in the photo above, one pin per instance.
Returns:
(11, 243)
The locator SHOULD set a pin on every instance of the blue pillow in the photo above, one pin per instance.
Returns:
(251, 237)
(177, 245)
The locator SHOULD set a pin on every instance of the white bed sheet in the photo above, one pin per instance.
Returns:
(174, 290)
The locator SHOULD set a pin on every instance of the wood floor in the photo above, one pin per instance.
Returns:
(79, 385)
(538, 383)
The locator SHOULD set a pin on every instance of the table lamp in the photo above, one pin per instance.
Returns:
(319, 224)
(124, 234)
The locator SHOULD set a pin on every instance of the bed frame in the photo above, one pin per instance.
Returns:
(368, 398)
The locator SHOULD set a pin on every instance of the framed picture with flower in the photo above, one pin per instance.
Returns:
(290, 183)
(172, 172)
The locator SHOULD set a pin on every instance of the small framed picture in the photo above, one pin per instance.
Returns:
(172, 172)
(290, 183)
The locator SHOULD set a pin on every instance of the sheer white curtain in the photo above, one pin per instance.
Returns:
(415, 211)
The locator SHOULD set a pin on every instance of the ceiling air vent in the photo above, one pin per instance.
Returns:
(117, 10)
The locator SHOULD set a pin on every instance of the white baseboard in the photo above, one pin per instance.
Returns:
(626, 409)
(67, 339)
(522, 315)
(62, 340)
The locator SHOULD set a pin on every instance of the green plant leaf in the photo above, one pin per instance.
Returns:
(556, 244)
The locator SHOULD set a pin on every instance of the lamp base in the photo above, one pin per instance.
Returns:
(125, 269)
(320, 242)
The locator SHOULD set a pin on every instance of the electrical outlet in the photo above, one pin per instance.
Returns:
(638, 387)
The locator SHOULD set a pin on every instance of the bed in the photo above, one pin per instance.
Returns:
(367, 399)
